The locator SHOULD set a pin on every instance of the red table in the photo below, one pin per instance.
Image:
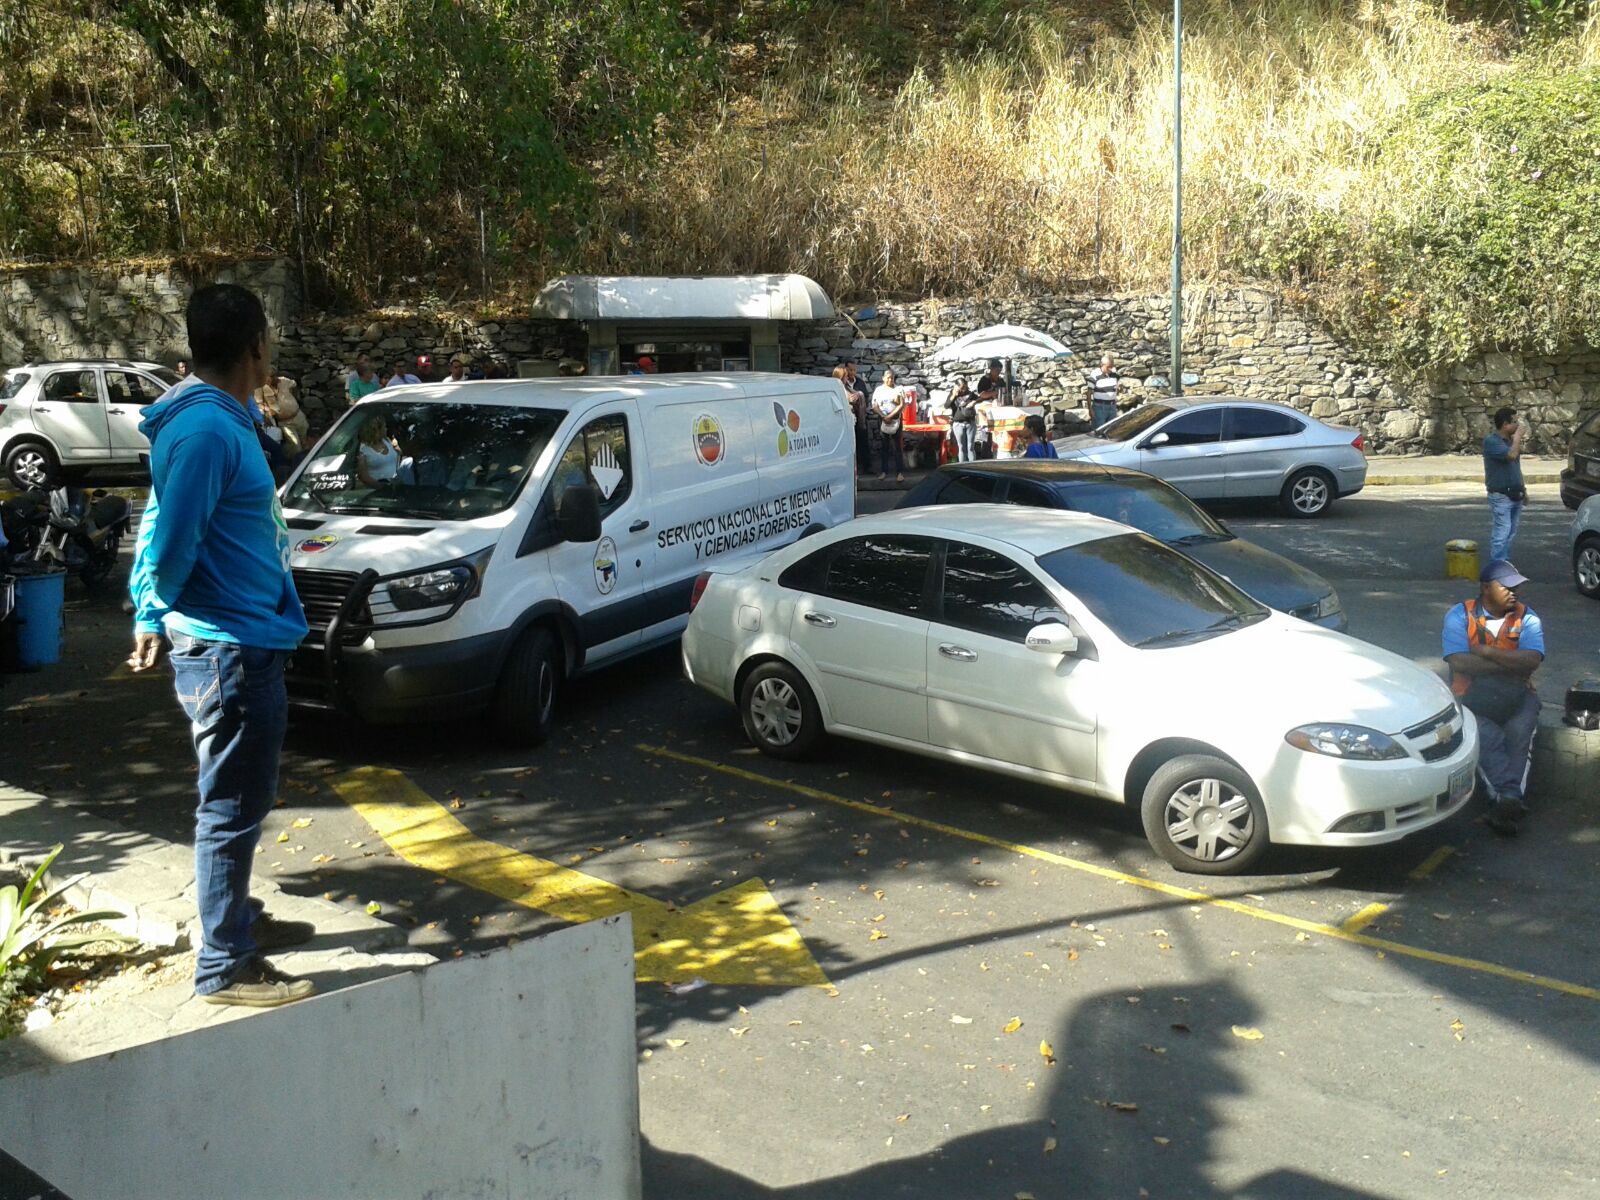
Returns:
(937, 429)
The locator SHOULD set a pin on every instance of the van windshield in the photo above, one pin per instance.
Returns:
(443, 461)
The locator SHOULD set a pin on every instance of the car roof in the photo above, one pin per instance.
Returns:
(569, 392)
(86, 363)
(1034, 531)
(1049, 470)
(1204, 401)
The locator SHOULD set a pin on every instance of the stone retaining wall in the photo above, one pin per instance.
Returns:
(1238, 340)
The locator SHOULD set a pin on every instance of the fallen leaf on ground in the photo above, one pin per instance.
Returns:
(1013, 1025)
(1047, 1052)
(457, 802)
(1161, 1141)
(284, 836)
(1050, 1145)
(902, 1118)
(739, 1031)
(1122, 1106)
(1248, 1033)
(301, 823)
(955, 1020)
(1072, 956)
(677, 1043)
(876, 935)
(374, 908)
(1153, 1049)
(1179, 1027)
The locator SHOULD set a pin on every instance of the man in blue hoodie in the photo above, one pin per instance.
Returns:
(211, 574)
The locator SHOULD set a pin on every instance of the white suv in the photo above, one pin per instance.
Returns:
(73, 415)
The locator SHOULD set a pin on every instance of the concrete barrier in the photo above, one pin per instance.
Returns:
(508, 1075)
(1566, 761)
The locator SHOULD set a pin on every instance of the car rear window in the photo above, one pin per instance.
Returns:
(13, 384)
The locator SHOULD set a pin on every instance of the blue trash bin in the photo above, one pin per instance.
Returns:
(39, 614)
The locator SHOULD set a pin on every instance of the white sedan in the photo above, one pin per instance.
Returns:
(1071, 650)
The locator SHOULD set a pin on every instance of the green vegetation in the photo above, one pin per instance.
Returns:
(1418, 170)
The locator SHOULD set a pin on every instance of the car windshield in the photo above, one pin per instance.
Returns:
(1163, 512)
(1132, 424)
(446, 461)
(1149, 595)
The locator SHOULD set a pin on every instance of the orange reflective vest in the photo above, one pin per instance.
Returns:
(1478, 635)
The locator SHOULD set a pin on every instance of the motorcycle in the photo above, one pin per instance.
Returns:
(80, 531)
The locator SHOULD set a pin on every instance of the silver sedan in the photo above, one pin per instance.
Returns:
(1219, 448)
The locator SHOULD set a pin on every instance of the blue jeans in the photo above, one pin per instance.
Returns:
(238, 711)
(1505, 750)
(966, 435)
(1505, 514)
(1101, 412)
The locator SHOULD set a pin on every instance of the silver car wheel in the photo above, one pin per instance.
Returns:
(775, 710)
(1209, 820)
(1586, 569)
(1309, 495)
(31, 467)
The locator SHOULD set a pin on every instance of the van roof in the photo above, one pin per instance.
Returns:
(570, 392)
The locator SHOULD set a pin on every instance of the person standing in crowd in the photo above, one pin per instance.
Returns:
(856, 390)
(458, 370)
(889, 406)
(210, 575)
(182, 369)
(964, 421)
(1502, 476)
(401, 376)
(363, 381)
(992, 385)
(1103, 384)
(1493, 645)
(1039, 445)
(282, 416)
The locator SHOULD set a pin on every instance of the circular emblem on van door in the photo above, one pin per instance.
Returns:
(315, 545)
(605, 565)
(708, 443)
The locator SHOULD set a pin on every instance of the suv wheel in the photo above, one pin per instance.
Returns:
(1586, 566)
(32, 465)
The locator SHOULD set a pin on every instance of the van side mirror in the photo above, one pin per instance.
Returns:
(1159, 439)
(1053, 637)
(578, 514)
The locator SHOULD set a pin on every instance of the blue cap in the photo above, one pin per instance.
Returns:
(1500, 570)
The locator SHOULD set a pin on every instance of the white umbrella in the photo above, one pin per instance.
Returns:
(1001, 341)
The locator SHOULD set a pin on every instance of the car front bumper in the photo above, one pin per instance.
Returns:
(1307, 794)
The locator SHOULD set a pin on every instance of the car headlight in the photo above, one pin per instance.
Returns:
(1345, 741)
(430, 589)
(1322, 609)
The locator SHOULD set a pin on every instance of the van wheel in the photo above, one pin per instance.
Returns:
(525, 698)
(779, 712)
(1202, 814)
(32, 465)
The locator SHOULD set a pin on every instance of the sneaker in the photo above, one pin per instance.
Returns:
(1513, 806)
(1501, 821)
(258, 984)
(270, 933)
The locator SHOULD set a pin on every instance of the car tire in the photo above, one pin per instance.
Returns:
(32, 466)
(525, 698)
(1189, 808)
(1586, 565)
(779, 711)
(1310, 492)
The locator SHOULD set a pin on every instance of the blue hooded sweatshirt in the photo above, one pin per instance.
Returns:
(212, 559)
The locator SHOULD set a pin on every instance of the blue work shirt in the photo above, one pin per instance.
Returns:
(1500, 470)
(1455, 632)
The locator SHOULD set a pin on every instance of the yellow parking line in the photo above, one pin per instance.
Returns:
(1430, 864)
(1365, 917)
(1152, 885)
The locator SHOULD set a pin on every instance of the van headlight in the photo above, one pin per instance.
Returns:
(1345, 741)
(438, 587)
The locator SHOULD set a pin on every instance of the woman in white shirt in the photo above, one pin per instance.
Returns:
(889, 406)
(377, 456)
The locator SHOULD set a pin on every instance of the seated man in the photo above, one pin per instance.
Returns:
(1493, 645)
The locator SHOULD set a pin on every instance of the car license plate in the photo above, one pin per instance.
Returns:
(1460, 782)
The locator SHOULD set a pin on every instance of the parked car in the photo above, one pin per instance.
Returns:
(1071, 650)
(1226, 449)
(1148, 504)
(1581, 478)
(1585, 539)
(67, 417)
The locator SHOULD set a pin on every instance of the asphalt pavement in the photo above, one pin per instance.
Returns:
(965, 986)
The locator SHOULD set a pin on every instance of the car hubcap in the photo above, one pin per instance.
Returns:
(1587, 568)
(1310, 494)
(775, 709)
(1209, 820)
(30, 468)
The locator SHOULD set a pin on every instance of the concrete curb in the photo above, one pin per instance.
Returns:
(1425, 479)
(1566, 761)
(151, 880)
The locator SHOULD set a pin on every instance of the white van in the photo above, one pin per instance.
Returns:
(468, 546)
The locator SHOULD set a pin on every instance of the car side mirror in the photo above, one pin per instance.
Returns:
(1159, 439)
(578, 514)
(1053, 637)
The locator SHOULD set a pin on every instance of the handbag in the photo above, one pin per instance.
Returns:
(1495, 698)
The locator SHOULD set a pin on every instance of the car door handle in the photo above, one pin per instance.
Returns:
(115, 412)
(41, 408)
(638, 526)
(820, 619)
(959, 653)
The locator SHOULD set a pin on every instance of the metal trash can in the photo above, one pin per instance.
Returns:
(1461, 559)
